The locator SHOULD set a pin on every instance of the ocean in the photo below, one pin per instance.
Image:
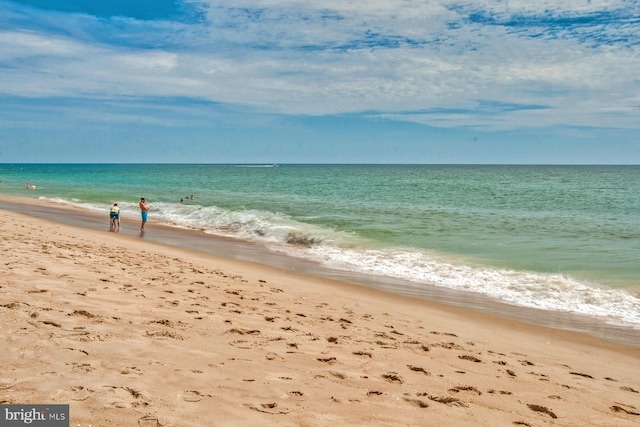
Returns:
(558, 239)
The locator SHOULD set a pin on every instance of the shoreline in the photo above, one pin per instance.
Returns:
(128, 331)
(257, 253)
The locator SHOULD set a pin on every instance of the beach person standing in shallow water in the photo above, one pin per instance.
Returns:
(144, 210)
(114, 216)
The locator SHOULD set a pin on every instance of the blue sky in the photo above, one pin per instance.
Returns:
(333, 81)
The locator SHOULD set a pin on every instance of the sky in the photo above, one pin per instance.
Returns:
(331, 81)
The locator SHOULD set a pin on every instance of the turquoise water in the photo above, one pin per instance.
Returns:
(561, 238)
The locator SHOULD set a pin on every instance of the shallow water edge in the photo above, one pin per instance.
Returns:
(258, 253)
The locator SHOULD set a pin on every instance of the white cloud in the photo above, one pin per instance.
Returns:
(335, 57)
(552, 6)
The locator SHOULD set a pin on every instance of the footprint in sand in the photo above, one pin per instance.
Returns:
(83, 313)
(393, 377)
(192, 396)
(148, 421)
(449, 401)
(418, 369)
(339, 375)
(618, 408)
(272, 356)
(469, 358)
(295, 393)
(125, 397)
(508, 393)
(580, 374)
(6, 384)
(270, 408)
(542, 409)
(82, 367)
(76, 393)
(131, 371)
(448, 346)
(164, 335)
(417, 402)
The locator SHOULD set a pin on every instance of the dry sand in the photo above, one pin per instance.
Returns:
(131, 333)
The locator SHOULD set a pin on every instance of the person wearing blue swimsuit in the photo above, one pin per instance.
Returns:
(144, 210)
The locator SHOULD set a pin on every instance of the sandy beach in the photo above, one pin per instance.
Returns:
(133, 333)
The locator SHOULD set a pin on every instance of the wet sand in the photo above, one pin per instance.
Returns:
(129, 331)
